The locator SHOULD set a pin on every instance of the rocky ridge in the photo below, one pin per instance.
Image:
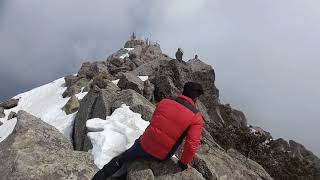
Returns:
(230, 148)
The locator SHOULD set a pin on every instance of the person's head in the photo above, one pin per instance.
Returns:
(192, 90)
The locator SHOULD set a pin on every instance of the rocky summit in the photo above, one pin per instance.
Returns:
(140, 75)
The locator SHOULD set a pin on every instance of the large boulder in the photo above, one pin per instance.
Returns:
(37, 150)
(75, 87)
(12, 115)
(167, 170)
(89, 70)
(130, 81)
(2, 114)
(8, 104)
(213, 164)
(84, 113)
(137, 103)
(96, 104)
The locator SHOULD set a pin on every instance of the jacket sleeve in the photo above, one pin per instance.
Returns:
(193, 140)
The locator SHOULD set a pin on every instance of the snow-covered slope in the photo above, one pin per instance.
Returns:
(115, 134)
(111, 137)
(45, 102)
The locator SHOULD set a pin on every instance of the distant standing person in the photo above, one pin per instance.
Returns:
(179, 54)
(172, 121)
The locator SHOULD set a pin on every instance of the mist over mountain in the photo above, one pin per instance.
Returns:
(265, 53)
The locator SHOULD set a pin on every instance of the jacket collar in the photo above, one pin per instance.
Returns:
(189, 100)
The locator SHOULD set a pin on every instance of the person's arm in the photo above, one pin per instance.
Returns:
(192, 141)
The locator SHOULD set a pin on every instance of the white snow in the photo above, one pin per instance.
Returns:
(46, 102)
(116, 81)
(126, 54)
(7, 128)
(143, 78)
(115, 134)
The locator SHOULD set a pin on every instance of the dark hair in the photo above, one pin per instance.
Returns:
(192, 90)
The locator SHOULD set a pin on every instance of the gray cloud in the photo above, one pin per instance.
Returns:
(265, 53)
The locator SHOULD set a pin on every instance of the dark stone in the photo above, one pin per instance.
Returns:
(72, 105)
(96, 104)
(12, 115)
(130, 81)
(11, 103)
(70, 80)
(84, 113)
(2, 114)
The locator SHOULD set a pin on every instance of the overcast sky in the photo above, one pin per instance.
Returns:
(266, 53)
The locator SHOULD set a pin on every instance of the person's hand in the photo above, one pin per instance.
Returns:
(183, 166)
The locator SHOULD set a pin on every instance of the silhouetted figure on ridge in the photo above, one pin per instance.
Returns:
(179, 54)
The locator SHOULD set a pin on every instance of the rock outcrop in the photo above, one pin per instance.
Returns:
(130, 81)
(36, 150)
(8, 104)
(72, 105)
(167, 170)
(12, 115)
(2, 114)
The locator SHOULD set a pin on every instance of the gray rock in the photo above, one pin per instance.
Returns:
(213, 164)
(262, 132)
(89, 70)
(72, 105)
(299, 151)
(149, 68)
(280, 145)
(11, 103)
(102, 80)
(136, 52)
(96, 104)
(36, 150)
(167, 170)
(151, 53)
(79, 135)
(148, 90)
(164, 87)
(137, 103)
(76, 87)
(103, 105)
(248, 163)
(117, 61)
(2, 114)
(130, 81)
(70, 80)
(12, 115)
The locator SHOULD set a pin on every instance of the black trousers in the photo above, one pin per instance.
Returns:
(133, 153)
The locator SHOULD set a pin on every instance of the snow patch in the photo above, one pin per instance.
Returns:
(115, 134)
(143, 78)
(7, 128)
(46, 103)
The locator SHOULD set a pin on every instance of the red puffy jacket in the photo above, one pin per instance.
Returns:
(170, 122)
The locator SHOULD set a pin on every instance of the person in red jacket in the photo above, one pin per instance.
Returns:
(173, 120)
